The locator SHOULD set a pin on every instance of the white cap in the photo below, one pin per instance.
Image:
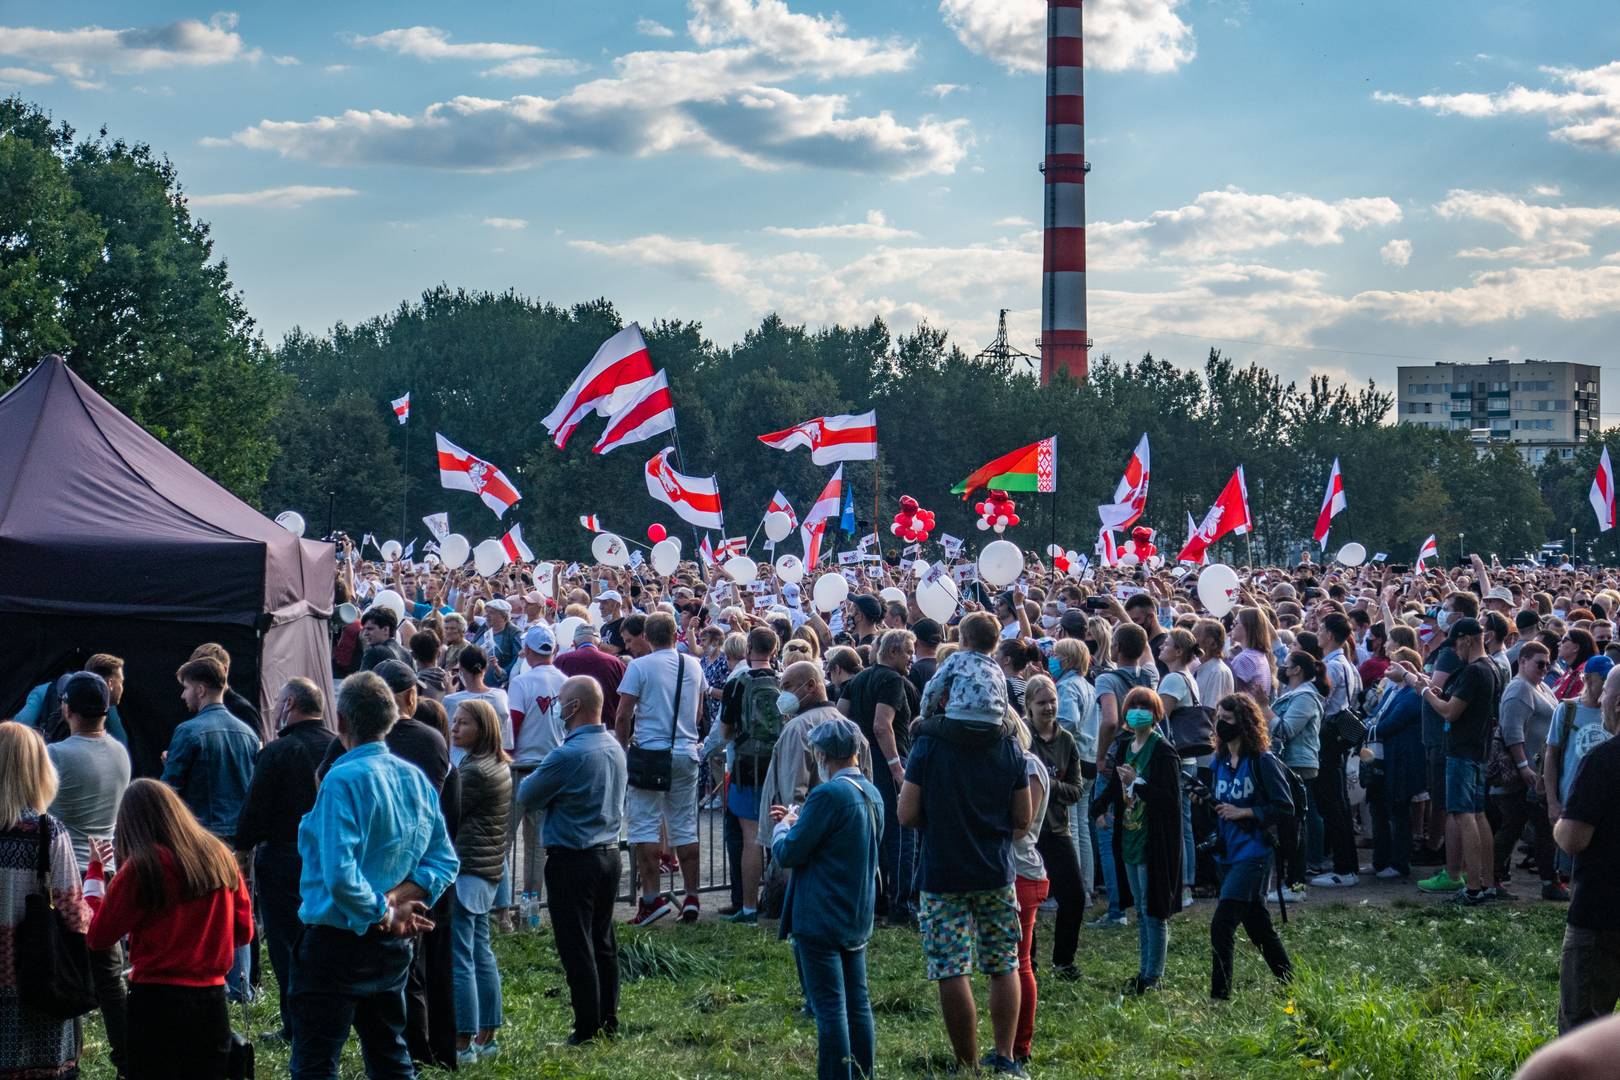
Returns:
(610, 594)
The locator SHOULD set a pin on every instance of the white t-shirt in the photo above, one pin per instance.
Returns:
(533, 696)
(1179, 686)
(495, 697)
(650, 680)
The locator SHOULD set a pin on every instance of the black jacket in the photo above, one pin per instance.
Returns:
(1163, 794)
(283, 787)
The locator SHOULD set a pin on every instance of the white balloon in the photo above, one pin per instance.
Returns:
(1000, 563)
(999, 527)
(565, 632)
(893, 595)
(1053, 550)
(391, 600)
(1128, 559)
(830, 590)
(1218, 588)
(938, 599)
(983, 524)
(391, 550)
(1072, 555)
(488, 557)
(741, 569)
(1154, 562)
(610, 550)
(920, 568)
(666, 556)
(454, 550)
(790, 568)
(292, 521)
(1352, 554)
(777, 526)
(430, 559)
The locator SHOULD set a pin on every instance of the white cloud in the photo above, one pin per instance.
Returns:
(286, 61)
(1528, 221)
(19, 76)
(1120, 35)
(944, 90)
(718, 102)
(506, 223)
(1584, 111)
(1013, 222)
(1396, 253)
(276, 198)
(335, 69)
(529, 67)
(431, 43)
(78, 54)
(875, 227)
(652, 28)
(719, 264)
(1546, 191)
(1542, 253)
(1561, 292)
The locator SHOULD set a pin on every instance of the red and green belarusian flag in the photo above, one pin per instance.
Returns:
(1033, 468)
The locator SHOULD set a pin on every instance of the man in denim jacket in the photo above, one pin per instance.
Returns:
(210, 757)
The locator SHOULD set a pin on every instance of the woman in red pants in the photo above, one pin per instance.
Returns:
(1031, 888)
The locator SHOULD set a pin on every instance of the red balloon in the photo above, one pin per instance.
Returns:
(1012, 519)
(1060, 564)
(656, 532)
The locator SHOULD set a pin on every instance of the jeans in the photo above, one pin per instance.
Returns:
(1063, 874)
(276, 869)
(1080, 833)
(835, 984)
(1392, 829)
(1104, 845)
(1513, 810)
(897, 855)
(1152, 935)
(1241, 886)
(581, 886)
(478, 980)
(342, 980)
(178, 1032)
(1588, 976)
(1030, 895)
(1189, 848)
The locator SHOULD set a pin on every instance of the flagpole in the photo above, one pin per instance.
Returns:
(877, 494)
(405, 490)
(1054, 515)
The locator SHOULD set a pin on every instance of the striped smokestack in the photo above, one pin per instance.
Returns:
(1063, 268)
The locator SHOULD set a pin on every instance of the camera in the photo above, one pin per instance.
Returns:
(1197, 788)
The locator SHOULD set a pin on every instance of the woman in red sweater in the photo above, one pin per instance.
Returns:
(184, 906)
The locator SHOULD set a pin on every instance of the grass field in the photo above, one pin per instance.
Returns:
(1423, 991)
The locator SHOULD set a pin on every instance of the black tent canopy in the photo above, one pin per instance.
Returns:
(111, 542)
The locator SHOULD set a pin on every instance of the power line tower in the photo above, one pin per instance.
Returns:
(1002, 349)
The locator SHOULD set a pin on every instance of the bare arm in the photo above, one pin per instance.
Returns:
(624, 723)
(1573, 836)
(1482, 575)
(1107, 728)
(909, 808)
(883, 734)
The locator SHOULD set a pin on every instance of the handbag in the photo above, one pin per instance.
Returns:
(653, 770)
(1348, 725)
(52, 960)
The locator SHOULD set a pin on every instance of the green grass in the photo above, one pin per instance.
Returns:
(1413, 990)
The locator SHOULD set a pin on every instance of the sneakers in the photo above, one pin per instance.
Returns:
(746, 918)
(1002, 1066)
(1109, 922)
(650, 911)
(667, 863)
(690, 911)
(468, 1056)
(1442, 882)
(1186, 898)
(1335, 881)
(1552, 890)
(1388, 873)
(1294, 895)
(1138, 986)
(1066, 972)
(486, 1049)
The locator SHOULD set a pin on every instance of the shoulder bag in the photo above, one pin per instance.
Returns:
(652, 770)
(53, 961)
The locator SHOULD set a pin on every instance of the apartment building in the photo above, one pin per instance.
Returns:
(1539, 407)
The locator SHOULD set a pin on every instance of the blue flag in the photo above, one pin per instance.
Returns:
(846, 520)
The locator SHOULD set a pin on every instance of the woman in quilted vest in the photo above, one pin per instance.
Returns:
(486, 807)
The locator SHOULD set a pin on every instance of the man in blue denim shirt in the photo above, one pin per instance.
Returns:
(376, 854)
(210, 757)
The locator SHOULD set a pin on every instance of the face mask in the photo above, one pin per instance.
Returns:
(1226, 730)
(1138, 719)
(1055, 666)
(567, 717)
(787, 703)
(1446, 618)
(1049, 621)
(1561, 613)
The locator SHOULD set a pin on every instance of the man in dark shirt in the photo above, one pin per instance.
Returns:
(868, 613)
(377, 629)
(879, 702)
(612, 607)
(282, 791)
(928, 635)
(587, 658)
(1589, 972)
(1468, 710)
(748, 771)
(1442, 665)
(1143, 610)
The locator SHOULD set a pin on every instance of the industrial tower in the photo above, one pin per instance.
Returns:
(1063, 266)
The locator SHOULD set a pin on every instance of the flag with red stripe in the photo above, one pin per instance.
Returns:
(591, 522)
(1332, 504)
(1229, 514)
(650, 412)
(516, 549)
(1130, 495)
(826, 506)
(1602, 494)
(831, 438)
(402, 407)
(1429, 550)
(696, 499)
(608, 382)
(461, 471)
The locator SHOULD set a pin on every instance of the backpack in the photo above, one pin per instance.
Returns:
(1192, 724)
(1282, 831)
(759, 725)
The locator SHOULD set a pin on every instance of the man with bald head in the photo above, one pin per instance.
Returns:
(792, 771)
(579, 787)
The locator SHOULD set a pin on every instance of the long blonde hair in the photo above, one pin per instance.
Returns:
(27, 777)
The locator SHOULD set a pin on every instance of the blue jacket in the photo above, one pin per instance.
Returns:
(1297, 727)
(1398, 724)
(832, 851)
(1077, 713)
(210, 764)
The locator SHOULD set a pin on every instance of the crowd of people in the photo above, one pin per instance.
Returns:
(1077, 739)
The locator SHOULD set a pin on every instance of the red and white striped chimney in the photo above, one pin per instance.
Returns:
(1063, 268)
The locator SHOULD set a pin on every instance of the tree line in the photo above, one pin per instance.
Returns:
(102, 261)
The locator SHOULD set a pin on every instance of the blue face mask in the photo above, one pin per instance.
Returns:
(1054, 665)
(1137, 719)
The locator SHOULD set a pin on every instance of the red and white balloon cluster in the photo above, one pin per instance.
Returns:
(1139, 548)
(912, 524)
(1064, 562)
(996, 512)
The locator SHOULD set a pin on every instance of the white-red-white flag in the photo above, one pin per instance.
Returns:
(1602, 494)
(516, 549)
(732, 547)
(1332, 504)
(827, 505)
(651, 411)
(461, 471)
(402, 407)
(696, 499)
(706, 551)
(830, 438)
(1229, 514)
(1130, 495)
(1192, 531)
(1429, 550)
(610, 380)
(590, 521)
(1107, 549)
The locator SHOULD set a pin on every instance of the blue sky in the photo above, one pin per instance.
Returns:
(1299, 184)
